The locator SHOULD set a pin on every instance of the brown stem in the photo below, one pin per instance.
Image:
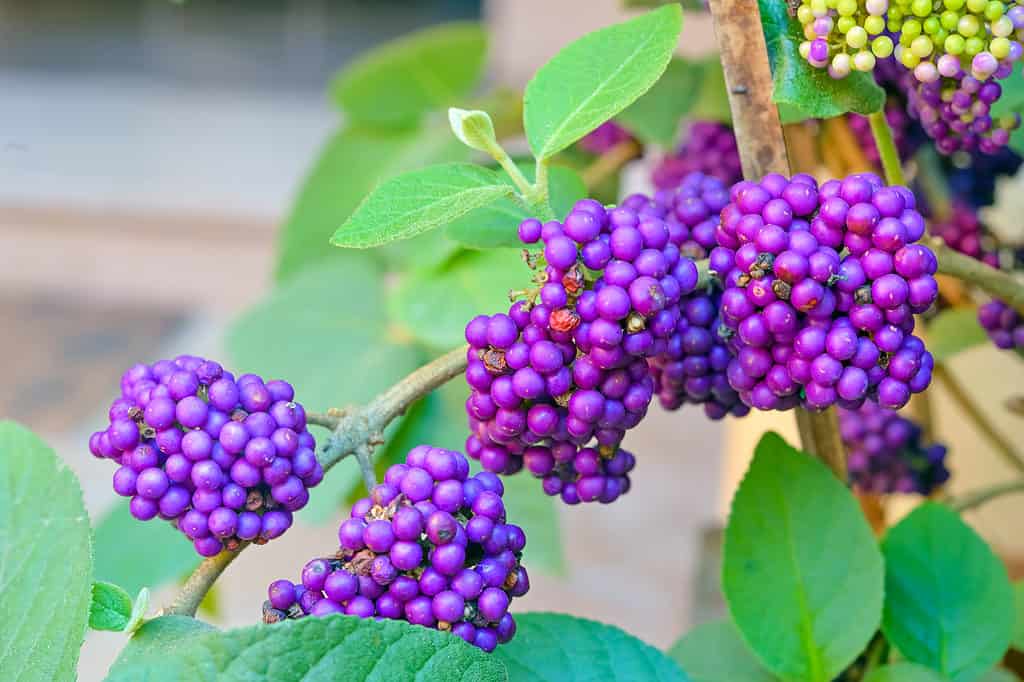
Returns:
(200, 582)
(610, 162)
(1002, 445)
(977, 498)
(762, 147)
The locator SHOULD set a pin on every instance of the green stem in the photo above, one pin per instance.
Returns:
(977, 498)
(887, 148)
(996, 283)
(539, 194)
(200, 582)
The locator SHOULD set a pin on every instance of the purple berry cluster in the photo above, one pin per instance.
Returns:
(955, 110)
(604, 138)
(224, 460)
(1004, 325)
(568, 365)
(692, 368)
(709, 148)
(430, 546)
(886, 454)
(963, 231)
(821, 288)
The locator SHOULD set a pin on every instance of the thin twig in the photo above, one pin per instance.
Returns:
(995, 282)
(887, 151)
(356, 431)
(762, 147)
(977, 498)
(610, 162)
(1002, 445)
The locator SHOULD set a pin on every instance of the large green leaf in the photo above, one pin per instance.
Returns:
(712, 103)
(655, 117)
(434, 306)
(496, 225)
(801, 572)
(954, 330)
(419, 201)
(797, 83)
(715, 652)
(325, 331)
(351, 163)
(45, 560)
(1018, 624)
(397, 83)
(948, 604)
(553, 647)
(156, 644)
(110, 609)
(594, 78)
(904, 672)
(118, 538)
(317, 650)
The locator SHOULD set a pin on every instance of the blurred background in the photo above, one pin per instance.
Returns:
(149, 153)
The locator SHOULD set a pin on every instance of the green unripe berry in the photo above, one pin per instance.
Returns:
(922, 46)
(845, 24)
(819, 8)
(1000, 48)
(882, 46)
(949, 19)
(846, 8)
(976, 6)
(931, 25)
(895, 14)
(1002, 27)
(994, 10)
(809, 33)
(874, 25)
(911, 28)
(954, 44)
(940, 36)
(955, 5)
(804, 14)
(968, 25)
(973, 46)
(864, 61)
(909, 59)
(921, 8)
(857, 37)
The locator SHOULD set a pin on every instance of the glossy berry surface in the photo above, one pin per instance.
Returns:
(413, 552)
(1003, 324)
(224, 460)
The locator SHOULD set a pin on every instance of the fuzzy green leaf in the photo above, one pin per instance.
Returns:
(156, 644)
(45, 560)
(398, 82)
(316, 650)
(351, 163)
(110, 609)
(801, 572)
(655, 117)
(118, 537)
(594, 78)
(1018, 621)
(138, 615)
(496, 225)
(795, 82)
(715, 652)
(326, 331)
(473, 283)
(554, 647)
(904, 672)
(948, 603)
(418, 201)
(954, 330)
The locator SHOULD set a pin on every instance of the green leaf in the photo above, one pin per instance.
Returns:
(553, 647)
(795, 82)
(537, 514)
(157, 644)
(139, 607)
(351, 163)
(949, 604)
(419, 201)
(655, 117)
(118, 538)
(954, 330)
(1018, 627)
(110, 609)
(997, 675)
(472, 283)
(326, 331)
(712, 102)
(904, 672)
(594, 78)
(318, 649)
(714, 652)
(45, 560)
(496, 225)
(801, 572)
(395, 84)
